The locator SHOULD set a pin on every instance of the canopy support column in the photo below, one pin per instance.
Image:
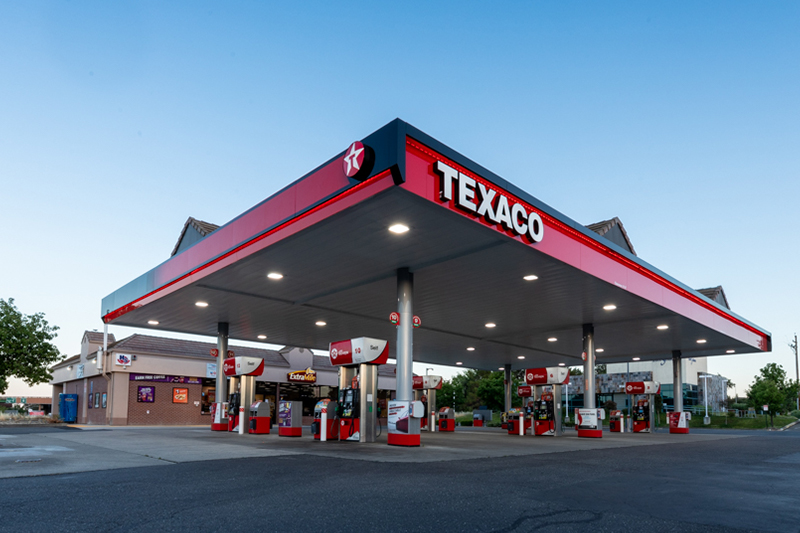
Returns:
(507, 384)
(401, 408)
(219, 420)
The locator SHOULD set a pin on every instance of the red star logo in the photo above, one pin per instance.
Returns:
(353, 159)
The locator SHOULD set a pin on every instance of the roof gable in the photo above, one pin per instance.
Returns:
(193, 230)
(716, 294)
(614, 231)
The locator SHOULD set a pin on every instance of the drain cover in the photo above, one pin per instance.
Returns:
(28, 460)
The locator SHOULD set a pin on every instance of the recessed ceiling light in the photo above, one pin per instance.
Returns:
(609, 307)
(637, 358)
(459, 363)
(530, 277)
(470, 349)
(599, 350)
(201, 304)
(520, 357)
(262, 337)
(730, 351)
(501, 368)
(398, 228)
(491, 325)
(153, 322)
(552, 339)
(662, 326)
(275, 275)
(701, 341)
(321, 323)
(562, 364)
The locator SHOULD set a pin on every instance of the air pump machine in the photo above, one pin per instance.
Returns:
(643, 408)
(547, 412)
(358, 361)
(244, 371)
(429, 384)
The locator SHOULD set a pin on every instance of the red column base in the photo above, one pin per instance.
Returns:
(219, 427)
(478, 423)
(399, 439)
(590, 433)
(290, 432)
(679, 430)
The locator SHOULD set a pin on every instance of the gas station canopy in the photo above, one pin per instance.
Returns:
(499, 277)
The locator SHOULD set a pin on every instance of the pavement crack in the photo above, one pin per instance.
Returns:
(594, 517)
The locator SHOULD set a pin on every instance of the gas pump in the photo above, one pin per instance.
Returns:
(429, 384)
(643, 412)
(349, 412)
(330, 421)
(358, 361)
(234, 402)
(513, 421)
(547, 415)
(260, 417)
(544, 422)
(243, 372)
(447, 419)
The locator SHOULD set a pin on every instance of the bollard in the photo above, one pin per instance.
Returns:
(323, 431)
(522, 423)
(241, 420)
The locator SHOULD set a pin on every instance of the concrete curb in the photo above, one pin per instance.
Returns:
(787, 426)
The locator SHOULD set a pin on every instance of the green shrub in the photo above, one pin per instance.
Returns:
(795, 413)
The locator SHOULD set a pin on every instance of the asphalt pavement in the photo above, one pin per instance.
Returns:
(467, 481)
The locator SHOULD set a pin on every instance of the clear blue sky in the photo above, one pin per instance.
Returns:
(118, 120)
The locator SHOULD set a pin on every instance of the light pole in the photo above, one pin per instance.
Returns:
(793, 346)
(705, 377)
(724, 408)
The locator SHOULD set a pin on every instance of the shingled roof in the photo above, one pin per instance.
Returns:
(148, 344)
(96, 337)
(614, 231)
(715, 294)
(199, 228)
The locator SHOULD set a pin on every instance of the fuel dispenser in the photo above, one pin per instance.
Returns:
(290, 418)
(260, 417)
(349, 412)
(243, 372)
(358, 361)
(429, 384)
(447, 419)
(325, 417)
(514, 416)
(544, 422)
(615, 424)
(234, 401)
(547, 415)
(643, 410)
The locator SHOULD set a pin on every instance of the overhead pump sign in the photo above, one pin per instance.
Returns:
(486, 201)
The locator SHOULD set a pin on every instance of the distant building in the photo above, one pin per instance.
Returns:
(149, 380)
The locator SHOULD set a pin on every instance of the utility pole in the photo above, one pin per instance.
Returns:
(793, 346)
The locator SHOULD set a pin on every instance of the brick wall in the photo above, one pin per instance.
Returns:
(162, 410)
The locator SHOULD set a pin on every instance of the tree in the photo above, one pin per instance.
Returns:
(773, 389)
(25, 347)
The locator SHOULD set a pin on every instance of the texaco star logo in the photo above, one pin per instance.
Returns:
(334, 353)
(358, 161)
(353, 159)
